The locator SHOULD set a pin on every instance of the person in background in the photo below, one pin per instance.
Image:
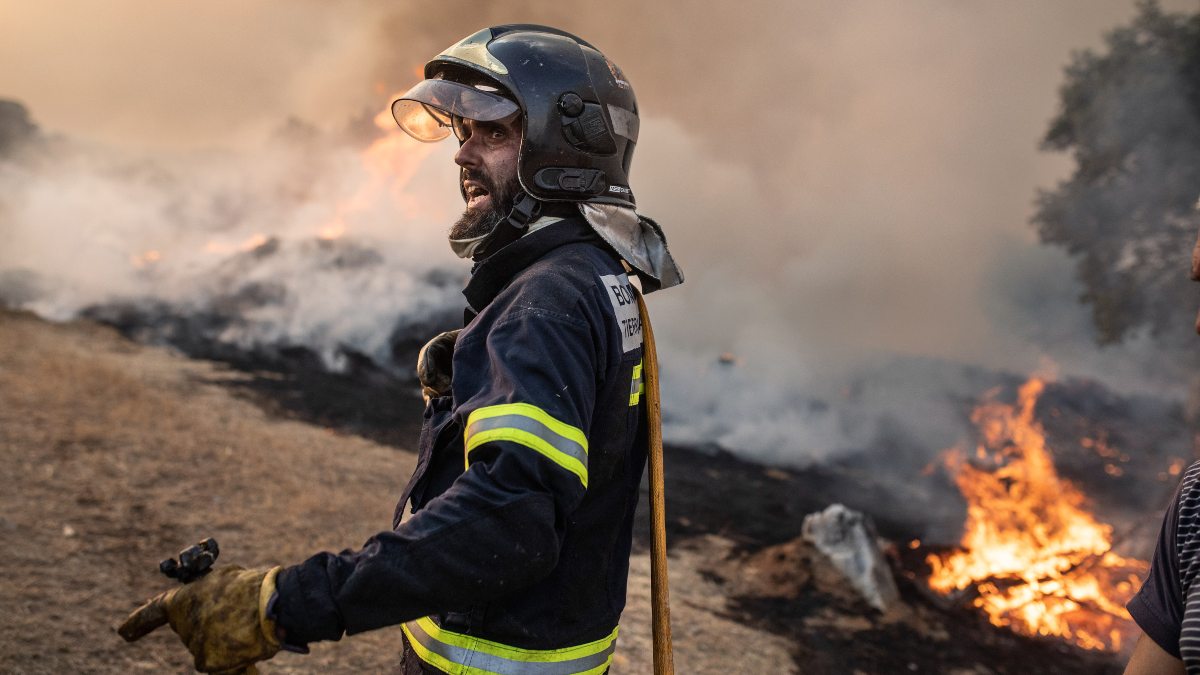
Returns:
(1167, 607)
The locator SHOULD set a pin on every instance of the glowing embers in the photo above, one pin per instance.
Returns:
(1036, 559)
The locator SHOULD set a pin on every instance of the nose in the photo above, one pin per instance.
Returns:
(468, 154)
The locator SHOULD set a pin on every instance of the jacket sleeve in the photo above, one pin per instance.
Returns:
(526, 391)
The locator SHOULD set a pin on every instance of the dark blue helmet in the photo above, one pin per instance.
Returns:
(580, 116)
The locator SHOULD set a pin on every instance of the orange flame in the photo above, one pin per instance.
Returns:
(145, 259)
(225, 247)
(1173, 470)
(332, 231)
(1039, 562)
(390, 162)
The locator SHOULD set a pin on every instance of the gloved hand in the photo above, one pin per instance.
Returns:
(435, 365)
(221, 618)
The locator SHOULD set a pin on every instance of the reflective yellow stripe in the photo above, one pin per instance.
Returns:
(532, 427)
(460, 654)
(638, 386)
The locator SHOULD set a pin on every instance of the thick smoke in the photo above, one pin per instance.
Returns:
(848, 186)
(300, 240)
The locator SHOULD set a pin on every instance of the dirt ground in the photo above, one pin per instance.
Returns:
(117, 455)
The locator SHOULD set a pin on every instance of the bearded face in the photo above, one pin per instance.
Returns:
(488, 203)
(487, 157)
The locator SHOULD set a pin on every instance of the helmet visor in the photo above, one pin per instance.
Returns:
(426, 111)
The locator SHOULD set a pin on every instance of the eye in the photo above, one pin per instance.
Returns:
(461, 130)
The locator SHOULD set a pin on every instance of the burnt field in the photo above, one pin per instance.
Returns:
(121, 454)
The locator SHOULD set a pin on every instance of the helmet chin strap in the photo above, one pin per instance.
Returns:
(525, 210)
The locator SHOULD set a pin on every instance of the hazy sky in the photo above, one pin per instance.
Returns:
(836, 177)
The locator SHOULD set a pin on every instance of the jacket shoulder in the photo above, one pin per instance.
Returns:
(563, 278)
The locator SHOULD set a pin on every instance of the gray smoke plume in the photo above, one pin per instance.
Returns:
(294, 241)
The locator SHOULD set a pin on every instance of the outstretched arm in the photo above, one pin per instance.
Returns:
(1150, 659)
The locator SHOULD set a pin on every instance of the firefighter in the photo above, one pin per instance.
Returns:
(516, 555)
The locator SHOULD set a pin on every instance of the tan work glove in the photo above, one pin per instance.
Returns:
(435, 365)
(221, 618)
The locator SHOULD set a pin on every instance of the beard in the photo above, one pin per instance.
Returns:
(480, 221)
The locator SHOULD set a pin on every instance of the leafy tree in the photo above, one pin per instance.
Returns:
(15, 126)
(1130, 116)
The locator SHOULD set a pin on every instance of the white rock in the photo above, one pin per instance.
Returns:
(847, 538)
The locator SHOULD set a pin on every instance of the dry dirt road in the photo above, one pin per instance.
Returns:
(116, 455)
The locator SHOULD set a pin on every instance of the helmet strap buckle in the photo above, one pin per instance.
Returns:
(526, 209)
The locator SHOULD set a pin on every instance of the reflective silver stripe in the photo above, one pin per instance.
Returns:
(473, 661)
(529, 425)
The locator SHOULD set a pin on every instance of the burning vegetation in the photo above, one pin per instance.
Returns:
(1032, 555)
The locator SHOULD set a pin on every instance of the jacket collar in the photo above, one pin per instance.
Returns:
(490, 276)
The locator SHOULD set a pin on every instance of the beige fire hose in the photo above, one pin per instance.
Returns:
(659, 589)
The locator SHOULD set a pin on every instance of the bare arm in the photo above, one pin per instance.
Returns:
(1150, 659)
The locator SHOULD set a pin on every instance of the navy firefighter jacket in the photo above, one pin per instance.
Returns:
(526, 482)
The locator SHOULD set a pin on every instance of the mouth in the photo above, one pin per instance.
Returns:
(477, 195)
